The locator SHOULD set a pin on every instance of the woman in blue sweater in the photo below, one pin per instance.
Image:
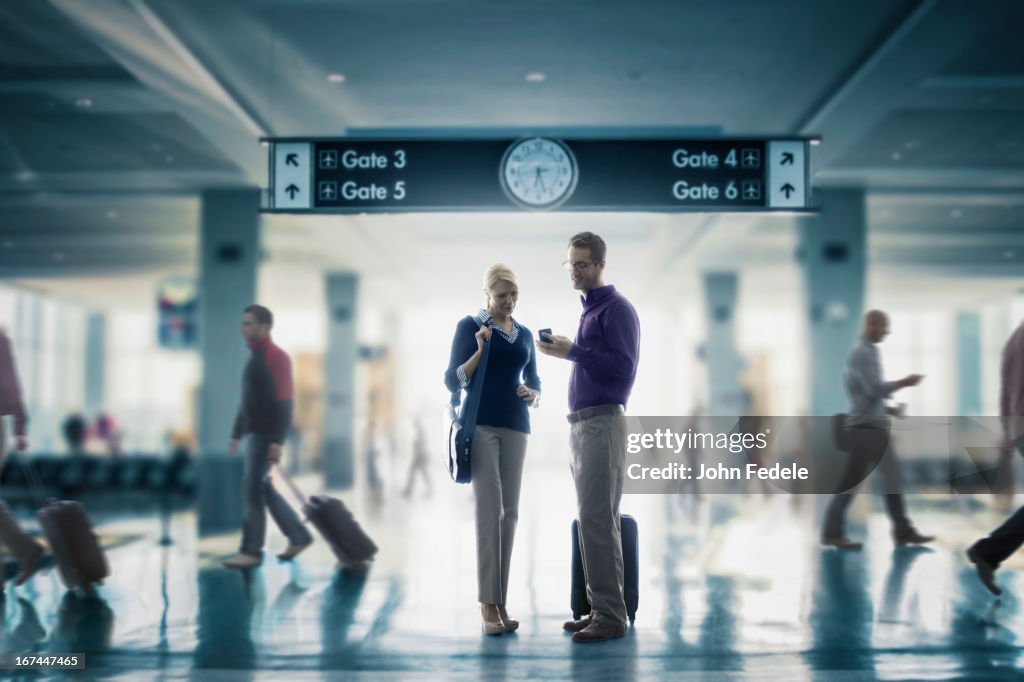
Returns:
(510, 386)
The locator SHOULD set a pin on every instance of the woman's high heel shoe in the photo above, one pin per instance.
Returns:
(511, 624)
(491, 627)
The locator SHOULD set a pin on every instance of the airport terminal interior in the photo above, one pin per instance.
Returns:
(351, 165)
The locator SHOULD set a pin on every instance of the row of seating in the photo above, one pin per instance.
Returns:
(70, 476)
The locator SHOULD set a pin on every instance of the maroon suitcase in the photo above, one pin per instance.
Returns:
(75, 547)
(336, 525)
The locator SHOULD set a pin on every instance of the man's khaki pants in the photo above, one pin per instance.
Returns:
(598, 469)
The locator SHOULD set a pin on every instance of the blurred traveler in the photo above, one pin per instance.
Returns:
(510, 386)
(868, 431)
(604, 356)
(109, 434)
(26, 550)
(264, 415)
(986, 554)
(75, 429)
(418, 466)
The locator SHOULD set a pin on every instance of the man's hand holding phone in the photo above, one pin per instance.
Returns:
(555, 346)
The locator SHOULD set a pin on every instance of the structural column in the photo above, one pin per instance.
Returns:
(229, 256)
(339, 380)
(968, 351)
(833, 256)
(725, 395)
(95, 362)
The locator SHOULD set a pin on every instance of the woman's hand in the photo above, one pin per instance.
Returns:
(482, 336)
(527, 394)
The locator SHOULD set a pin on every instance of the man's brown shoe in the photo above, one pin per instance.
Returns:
(598, 632)
(576, 625)
(842, 543)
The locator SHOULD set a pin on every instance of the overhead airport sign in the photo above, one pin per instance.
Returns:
(352, 175)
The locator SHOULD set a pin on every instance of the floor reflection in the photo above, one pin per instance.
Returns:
(731, 587)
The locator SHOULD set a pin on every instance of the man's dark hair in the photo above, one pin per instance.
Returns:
(262, 315)
(589, 240)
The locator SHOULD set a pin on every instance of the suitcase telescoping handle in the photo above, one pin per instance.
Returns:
(34, 484)
(291, 484)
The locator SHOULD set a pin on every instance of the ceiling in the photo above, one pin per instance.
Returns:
(116, 114)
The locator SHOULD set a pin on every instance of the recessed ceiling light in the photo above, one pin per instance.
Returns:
(956, 213)
(816, 141)
(336, 78)
(264, 143)
(83, 102)
(536, 77)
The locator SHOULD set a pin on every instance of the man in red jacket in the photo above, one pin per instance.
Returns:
(265, 416)
(26, 550)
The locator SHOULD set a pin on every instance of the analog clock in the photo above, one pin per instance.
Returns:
(538, 172)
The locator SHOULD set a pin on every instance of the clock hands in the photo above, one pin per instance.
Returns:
(540, 178)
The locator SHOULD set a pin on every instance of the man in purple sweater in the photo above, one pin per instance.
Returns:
(604, 357)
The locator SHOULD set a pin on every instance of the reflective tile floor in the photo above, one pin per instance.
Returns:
(731, 587)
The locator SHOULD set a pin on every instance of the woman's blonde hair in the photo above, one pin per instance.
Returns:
(496, 274)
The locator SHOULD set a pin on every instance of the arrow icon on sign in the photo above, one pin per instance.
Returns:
(292, 160)
(292, 190)
(788, 189)
(787, 159)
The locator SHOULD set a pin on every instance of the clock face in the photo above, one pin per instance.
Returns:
(538, 172)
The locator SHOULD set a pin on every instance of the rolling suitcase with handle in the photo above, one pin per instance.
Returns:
(336, 525)
(75, 547)
(630, 570)
(74, 544)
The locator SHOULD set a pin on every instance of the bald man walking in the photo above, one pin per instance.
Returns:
(869, 422)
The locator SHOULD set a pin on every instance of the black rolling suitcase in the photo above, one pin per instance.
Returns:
(630, 569)
(335, 523)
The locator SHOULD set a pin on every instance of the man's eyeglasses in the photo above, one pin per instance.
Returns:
(578, 266)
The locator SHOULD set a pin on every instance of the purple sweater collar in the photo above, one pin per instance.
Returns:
(595, 296)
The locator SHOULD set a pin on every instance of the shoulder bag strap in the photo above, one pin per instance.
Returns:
(472, 405)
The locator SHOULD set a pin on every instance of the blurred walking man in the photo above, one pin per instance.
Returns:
(868, 435)
(265, 416)
(986, 554)
(26, 550)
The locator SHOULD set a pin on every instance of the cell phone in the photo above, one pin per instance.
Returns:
(545, 332)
